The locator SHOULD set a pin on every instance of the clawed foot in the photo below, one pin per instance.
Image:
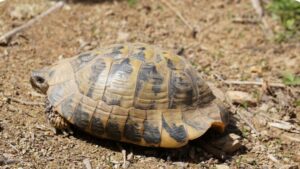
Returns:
(65, 132)
(227, 144)
(57, 122)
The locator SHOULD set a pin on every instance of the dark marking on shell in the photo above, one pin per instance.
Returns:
(180, 84)
(120, 72)
(124, 68)
(131, 131)
(171, 64)
(195, 123)
(112, 129)
(140, 56)
(51, 73)
(142, 48)
(67, 107)
(189, 97)
(176, 132)
(111, 101)
(152, 105)
(149, 73)
(158, 58)
(151, 133)
(81, 118)
(97, 69)
(172, 90)
(97, 126)
(116, 52)
(82, 60)
(193, 77)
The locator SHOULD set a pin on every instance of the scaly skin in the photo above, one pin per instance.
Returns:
(57, 122)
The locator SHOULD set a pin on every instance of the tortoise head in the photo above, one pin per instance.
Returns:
(39, 80)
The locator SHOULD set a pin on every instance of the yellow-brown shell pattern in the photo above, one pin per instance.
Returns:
(134, 93)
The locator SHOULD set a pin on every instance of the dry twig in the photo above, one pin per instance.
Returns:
(241, 20)
(178, 15)
(6, 38)
(246, 120)
(4, 161)
(237, 82)
(26, 102)
(257, 5)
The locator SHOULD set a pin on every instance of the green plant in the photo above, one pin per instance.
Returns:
(131, 3)
(297, 102)
(288, 13)
(290, 79)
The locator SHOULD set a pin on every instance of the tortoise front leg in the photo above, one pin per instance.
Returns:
(56, 121)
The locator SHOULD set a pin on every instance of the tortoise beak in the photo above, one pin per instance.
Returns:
(38, 80)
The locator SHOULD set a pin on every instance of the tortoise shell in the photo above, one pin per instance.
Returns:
(134, 93)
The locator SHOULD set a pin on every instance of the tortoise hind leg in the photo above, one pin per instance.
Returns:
(57, 122)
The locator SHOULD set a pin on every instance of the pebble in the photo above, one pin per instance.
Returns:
(293, 166)
(222, 166)
(229, 143)
(181, 164)
(87, 163)
(240, 97)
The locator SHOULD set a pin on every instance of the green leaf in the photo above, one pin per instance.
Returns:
(290, 24)
(131, 3)
(297, 103)
(291, 79)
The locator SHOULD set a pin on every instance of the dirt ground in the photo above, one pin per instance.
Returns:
(220, 48)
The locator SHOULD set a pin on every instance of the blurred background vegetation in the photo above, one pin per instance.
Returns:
(288, 13)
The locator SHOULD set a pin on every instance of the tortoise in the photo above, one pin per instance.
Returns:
(134, 92)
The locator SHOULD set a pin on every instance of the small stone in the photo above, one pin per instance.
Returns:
(250, 160)
(130, 156)
(222, 166)
(87, 163)
(229, 143)
(181, 164)
(239, 97)
(292, 166)
(122, 36)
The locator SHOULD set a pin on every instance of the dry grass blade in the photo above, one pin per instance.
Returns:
(257, 5)
(246, 120)
(6, 38)
(26, 102)
(258, 8)
(8, 161)
(237, 82)
(178, 14)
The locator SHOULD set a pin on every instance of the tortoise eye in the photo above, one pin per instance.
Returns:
(40, 79)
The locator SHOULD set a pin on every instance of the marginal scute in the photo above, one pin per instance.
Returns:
(173, 130)
(116, 122)
(153, 127)
(67, 106)
(84, 112)
(135, 125)
(100, 118)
